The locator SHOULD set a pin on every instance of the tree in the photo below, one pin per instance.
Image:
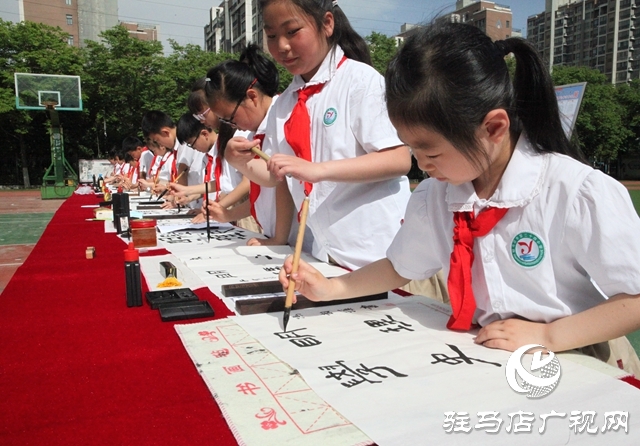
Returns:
(628, 95)
(121, 82)
(382, 49)
(600, 129)
(29, 47)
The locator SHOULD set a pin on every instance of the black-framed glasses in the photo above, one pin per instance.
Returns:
(190, 145)
(233, 114)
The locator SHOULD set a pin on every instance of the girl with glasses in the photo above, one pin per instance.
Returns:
(242, 93)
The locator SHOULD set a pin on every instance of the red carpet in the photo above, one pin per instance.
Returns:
(80, 368)
(77, 367)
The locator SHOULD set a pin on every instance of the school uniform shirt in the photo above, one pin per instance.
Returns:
(569, 228)
(144, 163)
(167, 166)
(353, 223)
(265, 205)
(230, 177)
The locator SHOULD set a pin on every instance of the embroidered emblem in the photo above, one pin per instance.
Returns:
(527, 249)
(330, 116)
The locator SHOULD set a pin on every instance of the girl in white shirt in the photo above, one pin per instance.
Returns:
(352, 165)
(555, 256)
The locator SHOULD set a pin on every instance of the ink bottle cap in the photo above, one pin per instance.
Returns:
(131, 253)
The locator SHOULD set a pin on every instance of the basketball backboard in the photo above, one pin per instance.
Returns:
(34, 91)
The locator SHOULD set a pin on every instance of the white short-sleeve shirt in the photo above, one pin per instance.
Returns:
(353, 223)
(265, 205)
(567, 225)
(146, 157)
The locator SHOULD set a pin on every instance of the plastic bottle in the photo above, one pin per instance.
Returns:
(132, 276)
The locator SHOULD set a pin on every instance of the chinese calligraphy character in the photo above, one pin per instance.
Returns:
(220, 274)
(358, 375)
(247, 388)
(220, 353)
(299, 340)
(455, 360)
(233, 369)
(347, 310)
(208, 336)
(389, 323)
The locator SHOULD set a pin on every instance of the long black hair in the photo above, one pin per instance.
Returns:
(350, 41)
(448, 76)
(230, 79)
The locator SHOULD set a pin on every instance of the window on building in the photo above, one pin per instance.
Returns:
(68, 2)
(69, 19)
(507, 23)
(70, 40)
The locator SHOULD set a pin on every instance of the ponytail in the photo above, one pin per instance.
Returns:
(448, 76)
(353, 45)
(536, 101)
(231, 79)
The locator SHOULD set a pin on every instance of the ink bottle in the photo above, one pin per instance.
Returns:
(132, 276)
(143, 233)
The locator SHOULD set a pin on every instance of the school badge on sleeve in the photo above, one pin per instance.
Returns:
(527, 249)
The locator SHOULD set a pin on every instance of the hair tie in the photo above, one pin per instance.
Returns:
(502, 47)
(206, 79)
(334, 3)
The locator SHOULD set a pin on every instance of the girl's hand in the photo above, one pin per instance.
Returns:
(291, 166)
(254, 241)
(308, 281)
(159, 188)
(217, 212)
(168, 205)
(511, 334)
(181, 200)
(178, 190)
(199, 218)
(238, 151)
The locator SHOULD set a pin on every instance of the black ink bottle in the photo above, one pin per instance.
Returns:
(132, 276)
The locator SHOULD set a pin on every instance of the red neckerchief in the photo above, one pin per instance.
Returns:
(297, 129)
(207, 173)
(466, 229)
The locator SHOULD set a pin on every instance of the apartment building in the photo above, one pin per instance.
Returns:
(599, 34)
(232, 25)
(81, 19)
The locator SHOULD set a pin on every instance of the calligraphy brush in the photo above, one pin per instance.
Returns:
(206, 197)
(296, 260)
(164, 192)
(256, 150)
(155, 183)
